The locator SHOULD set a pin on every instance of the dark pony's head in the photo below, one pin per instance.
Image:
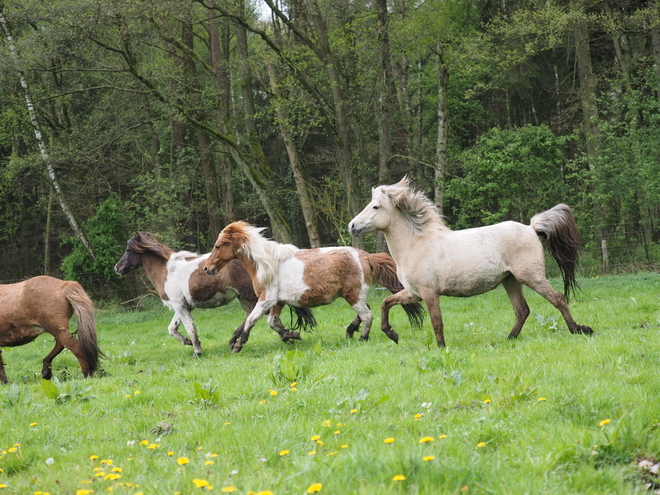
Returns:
(137, 246)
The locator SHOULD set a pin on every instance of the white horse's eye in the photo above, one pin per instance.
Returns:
(376, 207)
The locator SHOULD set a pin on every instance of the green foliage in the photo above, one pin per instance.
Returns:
(106, 232)
(69, 392)
(510, 175)
(206, 396)
(293, 365)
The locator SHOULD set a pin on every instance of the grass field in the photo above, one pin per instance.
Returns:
(550, 412)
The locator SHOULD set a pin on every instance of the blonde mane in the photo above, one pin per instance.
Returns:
(265, 253)
(418, 211)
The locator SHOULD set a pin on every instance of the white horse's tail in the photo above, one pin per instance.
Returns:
(557, 226)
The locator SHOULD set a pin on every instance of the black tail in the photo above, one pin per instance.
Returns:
(557, 226)
(383, 269)
(304, 319)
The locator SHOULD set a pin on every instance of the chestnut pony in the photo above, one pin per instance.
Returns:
(284, 274)
(433, 260)
(46, 304)
(182, 286)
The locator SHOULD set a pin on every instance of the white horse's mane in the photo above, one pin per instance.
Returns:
(416, 208)
(265, 253)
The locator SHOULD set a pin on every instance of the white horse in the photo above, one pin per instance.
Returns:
(433, 260)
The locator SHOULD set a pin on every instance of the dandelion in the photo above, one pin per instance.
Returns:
(116, 470)
(84, 492)
(265, 492)
(293, 384)
(182, 461)
(153, 446)
(112, 476)
(481, 444)
(336, 432)
(50, 461)
(200, 448)
(311, 452)
(229, 489)
(33, 424)
(319, 442)
(541, 399)
(262, 402)
(418, 416)
(315, 438)
(442, 436)
(127, 396)
(487, 401)
(272, 392)
(12, 449)
(227, 424)
(294, 389)
(284, 452)
(604, 422)
(144, 442)
(326, 424)
(425, 439)
(93, 457)
(315, 488)
(137, 392)
(200, 483)
(345, 446)
(354, 411)
(208, 463)
(2, 485)
(170, 453)
(398, 477)
(389, 440)
(428, 457)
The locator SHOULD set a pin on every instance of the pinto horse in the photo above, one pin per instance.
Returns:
(182, 286)
(433, 260)
(284, 274)
(46, 304)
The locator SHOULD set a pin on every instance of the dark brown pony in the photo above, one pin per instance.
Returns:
(306, 278)
(182, 285)
(46, 304)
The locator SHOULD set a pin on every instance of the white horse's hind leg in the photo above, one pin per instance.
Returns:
(174, 332)
(188, 322)
(366, 317)
(514, 290)
(557, 299)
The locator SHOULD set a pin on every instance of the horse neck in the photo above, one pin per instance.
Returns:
(156, 269)
(401, 241)
(251, 267)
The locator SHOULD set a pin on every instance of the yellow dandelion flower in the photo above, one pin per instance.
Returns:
(265, 492)
(604, 422)
(345, 446)
(170, 453)
(428, 457)
(33, 424)
(12, 449)
(293, 384)
(294, 389)
(272, 392)
(83, 491)
(425, 439)
(262, 402)
(109, 462)
(208, 463)
(398, 477)
(127, 396)
(442, 436)
(181, 461)
(112, 476)
(2, 485)
(389, 440)
(315, 438)
(229, 489)
(541, 399)
(311, 452)
(354, 411)
(116, 470)
(481, 444)
(339, 425)
(284, 452)
(227, 424)
(137, 392)
(336, 432)
(144, 442)
(487, 401)
(331, 453)
(99, 474)
(199, 483)
(319, 442)
(418, 416)
(213, 455)
(200, 448)
(326, 423)
(315, 488)
(93, 457)
(153, 446)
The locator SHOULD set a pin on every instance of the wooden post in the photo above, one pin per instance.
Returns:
(606, 261)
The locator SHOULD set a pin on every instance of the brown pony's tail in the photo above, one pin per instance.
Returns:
(84, 309)
(557, 226)
(383, 272)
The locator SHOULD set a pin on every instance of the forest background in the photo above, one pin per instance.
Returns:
(178, 117)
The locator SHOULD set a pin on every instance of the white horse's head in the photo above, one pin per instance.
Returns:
(377, 215)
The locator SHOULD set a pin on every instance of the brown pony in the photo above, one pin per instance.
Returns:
(182, 286)
(46, 304)
(284, 274)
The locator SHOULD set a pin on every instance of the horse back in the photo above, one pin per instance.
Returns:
(205, 288)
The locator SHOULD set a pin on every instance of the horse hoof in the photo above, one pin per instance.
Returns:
(585, 330)
(236, 349)
(197, 354)
(364, 338)
(47, 375)
(187, 342)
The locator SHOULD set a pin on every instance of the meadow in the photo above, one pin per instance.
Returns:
(549, 412)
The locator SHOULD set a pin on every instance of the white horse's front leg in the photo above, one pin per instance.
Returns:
(259, 310)
(366, 317)
(173, 329)
(188, 322)
(403, 297)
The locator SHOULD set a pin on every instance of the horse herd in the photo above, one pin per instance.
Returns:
(427, 260)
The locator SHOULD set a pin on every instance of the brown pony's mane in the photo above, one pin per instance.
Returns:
(416, 208)
(143, 242)
(265, 254)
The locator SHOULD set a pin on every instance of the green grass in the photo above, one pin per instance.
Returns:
(506, 417)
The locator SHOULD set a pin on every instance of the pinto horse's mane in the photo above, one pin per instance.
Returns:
(265, 253)
(416, 208)
(144, 242)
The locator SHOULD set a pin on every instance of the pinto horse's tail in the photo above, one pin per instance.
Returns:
(305, 319)
(84, 309)
(383, 272)
(557, 226)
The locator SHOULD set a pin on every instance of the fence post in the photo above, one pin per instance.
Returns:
(606, 260)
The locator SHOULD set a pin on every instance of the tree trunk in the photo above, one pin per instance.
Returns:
(73, 221)
(441, 145)
(655, 46)
(587, 89)
(220, 37)
(294, 160)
